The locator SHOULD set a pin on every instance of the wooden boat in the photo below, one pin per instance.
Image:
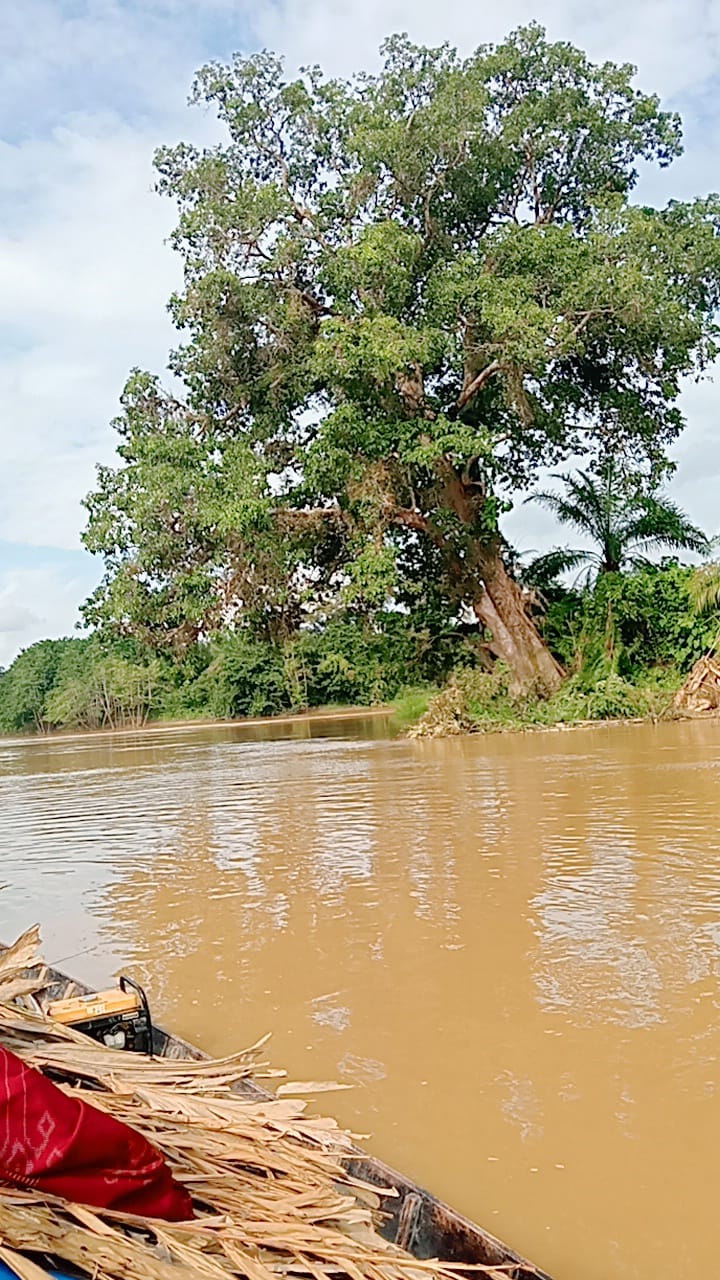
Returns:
(414, 1218)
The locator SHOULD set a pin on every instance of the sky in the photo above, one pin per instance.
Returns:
(89, 88)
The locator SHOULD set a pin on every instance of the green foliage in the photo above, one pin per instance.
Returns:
(246, 677)
(403, 294)
(633, 622)
(705, 588)
(361, 661)
(108, 691)
(78, 684)
(410, 705)
(628, 640)
(351, 661)
(354, 659)
(26, 685)
(476, 701)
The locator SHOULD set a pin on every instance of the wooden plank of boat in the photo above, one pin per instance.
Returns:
(414, 1218)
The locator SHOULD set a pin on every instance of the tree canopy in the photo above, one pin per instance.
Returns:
(404, 294)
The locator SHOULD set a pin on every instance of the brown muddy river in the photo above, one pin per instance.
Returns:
(509, 945)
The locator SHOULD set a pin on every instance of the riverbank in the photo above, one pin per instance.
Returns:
(473, 701)
(420, 713)
(481, 702)
(153, 727)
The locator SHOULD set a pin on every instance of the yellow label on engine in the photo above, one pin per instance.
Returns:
(101, 1004)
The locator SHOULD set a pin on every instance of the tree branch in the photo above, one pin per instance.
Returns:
(408, 518)
(308, 516)
(471, 389)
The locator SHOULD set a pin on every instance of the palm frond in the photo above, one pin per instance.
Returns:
(661, 523)
(565, 510)
(622, 522)
(589, 505)
(545, 569)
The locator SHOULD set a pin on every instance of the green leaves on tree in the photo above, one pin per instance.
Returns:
(404, 294)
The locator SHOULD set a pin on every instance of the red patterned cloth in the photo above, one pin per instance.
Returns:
(66, 1147)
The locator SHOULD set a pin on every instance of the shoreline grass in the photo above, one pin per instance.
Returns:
(481, 702)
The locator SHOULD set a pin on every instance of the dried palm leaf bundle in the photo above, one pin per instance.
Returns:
(700, 694)
(269, 1188)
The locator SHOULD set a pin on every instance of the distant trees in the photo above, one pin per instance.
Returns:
(26, 685)
(108, 691)
(94, 683)
(76, 684)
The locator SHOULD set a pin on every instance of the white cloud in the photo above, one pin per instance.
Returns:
(15, 617)
(696, 482)
(54, 586)
(85, 278)
(673, 42)
(131, 56)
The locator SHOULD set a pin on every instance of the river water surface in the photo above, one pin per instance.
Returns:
(509, 945)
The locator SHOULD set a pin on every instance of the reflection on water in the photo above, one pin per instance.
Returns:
(510, 946)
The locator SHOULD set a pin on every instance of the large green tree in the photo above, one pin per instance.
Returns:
(403, 294)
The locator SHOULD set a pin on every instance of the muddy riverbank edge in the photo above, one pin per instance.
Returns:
(150, 727)
(483, 702)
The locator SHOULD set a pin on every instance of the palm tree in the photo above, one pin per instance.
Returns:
(623, 523)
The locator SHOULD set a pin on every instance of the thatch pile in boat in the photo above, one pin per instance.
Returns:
(270, 1192)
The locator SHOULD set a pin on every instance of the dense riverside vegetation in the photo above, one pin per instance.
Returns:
(627, 640)
(406, 297)
(94, 683)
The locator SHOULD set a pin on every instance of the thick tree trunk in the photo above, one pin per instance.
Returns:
(515, 639)
(497, 602)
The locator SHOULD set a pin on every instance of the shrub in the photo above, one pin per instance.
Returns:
(634, 621)
(246, 677)
(478, 700)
